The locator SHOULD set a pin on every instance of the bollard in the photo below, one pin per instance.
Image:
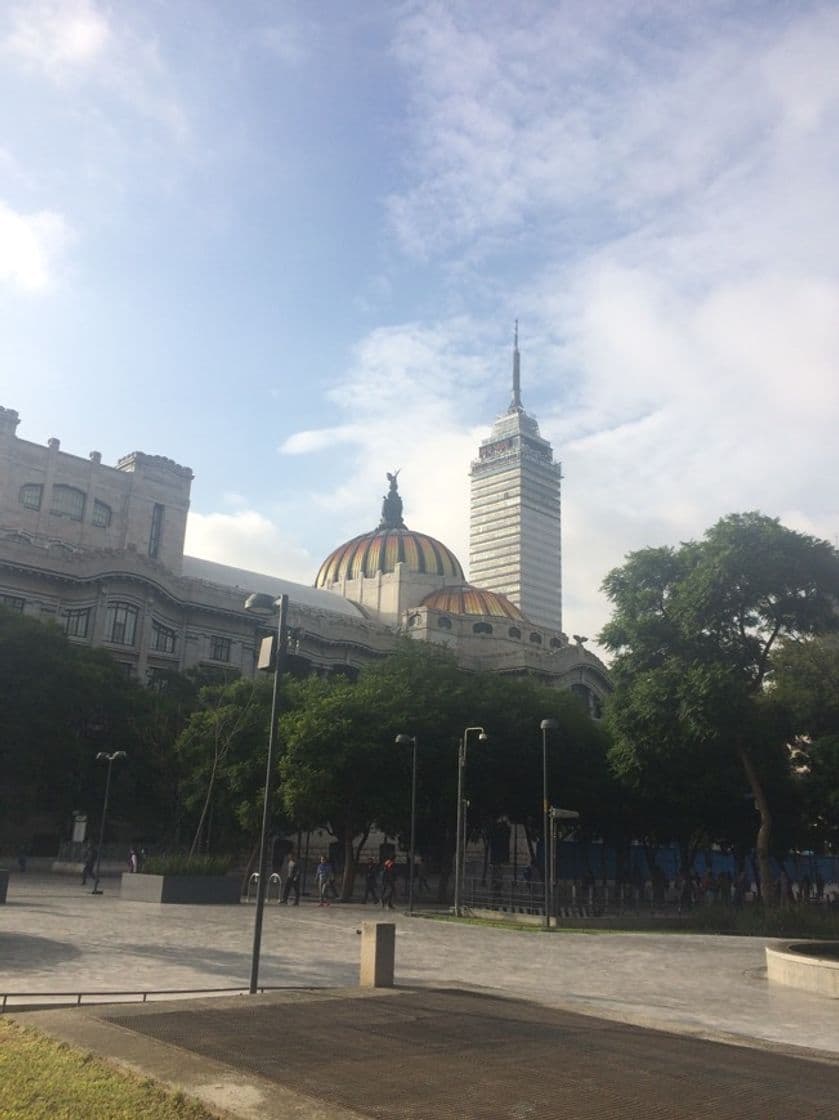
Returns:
(378, 944)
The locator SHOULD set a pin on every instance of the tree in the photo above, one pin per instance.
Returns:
(61, 704)
(806, 683)
(693, 632)
(218, 751)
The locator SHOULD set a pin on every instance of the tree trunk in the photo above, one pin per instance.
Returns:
(764, 829)
(349, 865)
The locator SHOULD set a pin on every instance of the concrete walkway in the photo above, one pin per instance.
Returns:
(54, 936)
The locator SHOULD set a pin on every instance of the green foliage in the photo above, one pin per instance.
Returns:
(221, 755)
(187, 865)
(693, 631)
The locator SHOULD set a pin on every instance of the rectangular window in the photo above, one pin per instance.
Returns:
(156, 530)
(162, 638)
(76, 623)
(101, 514)
(67, 501)
(30, 495)
(219, 649)
(13, 603)
(121, 623)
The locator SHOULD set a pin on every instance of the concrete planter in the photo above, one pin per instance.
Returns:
(811, 965)
(206, 890)
(4, 883)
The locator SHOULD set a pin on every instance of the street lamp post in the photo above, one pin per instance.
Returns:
(546, 725)
(404, 740)
(264, 604)
(460, 839)
(111, 758)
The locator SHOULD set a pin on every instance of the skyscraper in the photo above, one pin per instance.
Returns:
(515, 543)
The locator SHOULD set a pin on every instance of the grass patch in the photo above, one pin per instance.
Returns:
(47, 1080)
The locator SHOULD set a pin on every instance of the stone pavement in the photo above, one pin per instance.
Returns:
(484, 1022)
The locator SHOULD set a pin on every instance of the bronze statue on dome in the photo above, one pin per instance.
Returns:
(392, 505)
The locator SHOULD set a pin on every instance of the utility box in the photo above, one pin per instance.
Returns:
(378, 953)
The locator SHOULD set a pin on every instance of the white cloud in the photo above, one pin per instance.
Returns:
(30, 245)
(56, 36)
(247, 539)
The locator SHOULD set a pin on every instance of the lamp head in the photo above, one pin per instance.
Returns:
(549, 725)
(404, 740)
(260, 603)
(482, 738)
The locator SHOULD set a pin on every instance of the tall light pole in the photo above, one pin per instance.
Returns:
(460, 839)
(546, 725)
(403, 741)
(264, 604)
(111, 758)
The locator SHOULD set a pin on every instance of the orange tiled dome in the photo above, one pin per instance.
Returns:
(472, 600)
(382, 550)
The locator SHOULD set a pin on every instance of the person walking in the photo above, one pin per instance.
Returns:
(388, 883)
(371, 879)
(323, 878)
(89, 868)
(292, 880)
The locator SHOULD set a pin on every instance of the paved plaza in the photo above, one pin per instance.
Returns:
(484, 1022)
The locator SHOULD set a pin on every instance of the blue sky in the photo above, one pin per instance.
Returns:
(285, 244)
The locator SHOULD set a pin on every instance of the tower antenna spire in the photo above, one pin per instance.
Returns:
(515, 403)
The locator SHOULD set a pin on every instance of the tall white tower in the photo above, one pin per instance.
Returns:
(515, 539)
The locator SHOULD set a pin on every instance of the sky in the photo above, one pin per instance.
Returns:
(285, 245)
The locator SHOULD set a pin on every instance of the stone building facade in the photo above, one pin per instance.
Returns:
(98, 550)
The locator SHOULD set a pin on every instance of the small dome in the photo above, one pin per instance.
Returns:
(472, 601)
(382, 550)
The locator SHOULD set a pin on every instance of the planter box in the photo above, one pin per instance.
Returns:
(4, 883)
(207, 890)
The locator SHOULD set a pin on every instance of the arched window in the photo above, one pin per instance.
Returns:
(482, 628)
(68, 501)
(444, 623)
(30, 495)
(101, 514)
(514, 632)
(536, 639)
(556, 643)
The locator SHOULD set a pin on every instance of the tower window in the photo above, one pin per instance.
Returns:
(67, 501)
(156, 530)
(514, 632)
(556, 643)
(444, 623)
(536, 639)
(482, 628)
(31, 494)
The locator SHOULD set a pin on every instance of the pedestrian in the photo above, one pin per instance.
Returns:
(323, 877)
(133, 861)
(371, 880)
(388, 883)
(292, 880)
(420, 881)
(89, 868)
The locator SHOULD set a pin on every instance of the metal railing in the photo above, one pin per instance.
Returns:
(33, 1000)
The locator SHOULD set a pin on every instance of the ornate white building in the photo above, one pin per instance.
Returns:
(99, 551)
